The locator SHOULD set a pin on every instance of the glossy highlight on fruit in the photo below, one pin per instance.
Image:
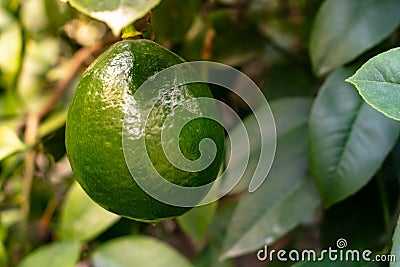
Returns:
(94, 131)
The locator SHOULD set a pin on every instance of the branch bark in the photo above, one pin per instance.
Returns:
(33, 120)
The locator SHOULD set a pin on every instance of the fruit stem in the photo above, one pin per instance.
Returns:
(130, 32)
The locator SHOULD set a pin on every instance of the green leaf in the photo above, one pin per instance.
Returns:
(137, 251)
(221, 220)
(9, 142)
(40, 56)
(348, 140)
(378, 82)
(117, 14)
(251, 125)
(345, 29)
(361, 207)
(209, 257)
(3, 255)
(60, 254)
(396, 159)
(396, 245)
(10, 47)
(10, 217)
(81, 218)
(54, 122)
(227, 31)
(293, 111)
(196, 222)
(278, 86)
(288, 194)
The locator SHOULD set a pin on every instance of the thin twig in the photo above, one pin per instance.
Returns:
(75, 64)
(32, 123)
(48, 213)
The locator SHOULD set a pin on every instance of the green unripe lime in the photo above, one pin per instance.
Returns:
(94, 131)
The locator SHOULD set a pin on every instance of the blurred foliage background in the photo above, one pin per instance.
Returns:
(299, 52)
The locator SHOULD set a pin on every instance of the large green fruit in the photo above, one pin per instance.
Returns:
(94, 131)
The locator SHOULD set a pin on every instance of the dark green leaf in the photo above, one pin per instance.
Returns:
(360, 207)
(396, 159)
(226, 30)
(137, 251)
(196, 222)
(117, 14)
(221, 220)
(211, 38)
(60, 254)
(345, 29)
(172, 19)
(348, 140)
(3, 255)
(396, 245)
(209, 257)
(81, 218)
(288, 194)
(378, 82)
(278, 86)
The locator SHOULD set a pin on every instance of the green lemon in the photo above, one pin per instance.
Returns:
(94, 131)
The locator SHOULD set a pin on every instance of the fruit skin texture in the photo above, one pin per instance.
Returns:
(94, 131)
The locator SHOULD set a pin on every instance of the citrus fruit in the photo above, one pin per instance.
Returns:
(94, 131)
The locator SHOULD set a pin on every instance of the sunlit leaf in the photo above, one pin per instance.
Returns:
(345, 29)
(60, 254)
(378, 82)
(117, 14)
(33, 15)
(10, 104)
(10, 47)
(40, 56)
(10, 217)
(286, 197)
(137, 251)
(81, 218)
(348, 140)
(54, 122)
(9, 142)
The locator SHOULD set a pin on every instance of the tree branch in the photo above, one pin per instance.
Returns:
(33, 120)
